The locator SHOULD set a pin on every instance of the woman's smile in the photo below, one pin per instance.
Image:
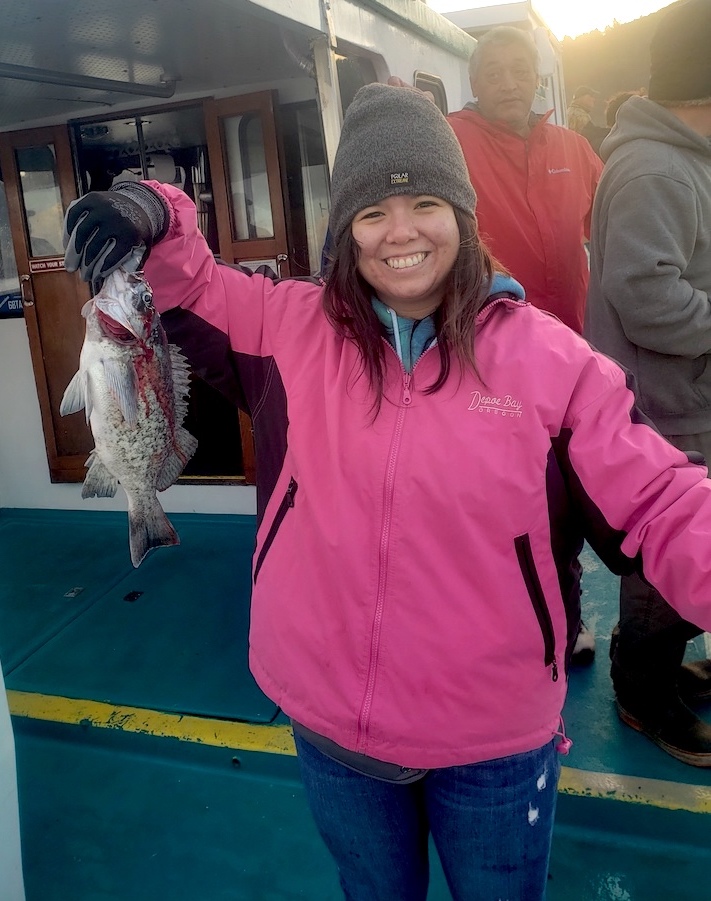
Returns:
(406, 262)
(407, 246)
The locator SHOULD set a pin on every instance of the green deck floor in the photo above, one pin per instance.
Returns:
(112, 814)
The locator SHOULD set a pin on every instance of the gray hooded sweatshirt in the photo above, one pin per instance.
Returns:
(649, 300)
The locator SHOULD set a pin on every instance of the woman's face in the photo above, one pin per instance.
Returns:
(408, 246)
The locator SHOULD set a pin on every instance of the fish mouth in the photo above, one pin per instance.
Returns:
(121, 321)
(115, 331)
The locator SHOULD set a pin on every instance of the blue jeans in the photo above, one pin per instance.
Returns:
(492, 825)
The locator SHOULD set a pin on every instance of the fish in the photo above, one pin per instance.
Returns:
(133, 386)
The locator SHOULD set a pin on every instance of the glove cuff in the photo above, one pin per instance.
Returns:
(150, 202)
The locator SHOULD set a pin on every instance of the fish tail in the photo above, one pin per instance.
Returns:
(148, 527)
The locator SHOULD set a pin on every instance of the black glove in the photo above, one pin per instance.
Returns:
(107, 229)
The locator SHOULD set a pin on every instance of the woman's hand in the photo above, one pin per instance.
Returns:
(107, 229)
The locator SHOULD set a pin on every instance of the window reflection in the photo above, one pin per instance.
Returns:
(169, 147)
(41, 199)
(248, 185)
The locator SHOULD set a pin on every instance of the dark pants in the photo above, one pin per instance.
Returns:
(491, 823)
(652, 636)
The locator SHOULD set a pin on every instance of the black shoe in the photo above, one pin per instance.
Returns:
(584, 650)
(676, 730)
(694, 682)
(614, 638)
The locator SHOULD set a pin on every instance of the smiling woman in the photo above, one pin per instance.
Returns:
(406, 248)
(429, 509)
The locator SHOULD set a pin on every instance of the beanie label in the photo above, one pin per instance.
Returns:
(399, 178)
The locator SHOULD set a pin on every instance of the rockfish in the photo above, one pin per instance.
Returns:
(133, 386)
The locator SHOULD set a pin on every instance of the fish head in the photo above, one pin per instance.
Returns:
(124, 308)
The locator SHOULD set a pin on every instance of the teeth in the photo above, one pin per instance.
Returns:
(405, 262)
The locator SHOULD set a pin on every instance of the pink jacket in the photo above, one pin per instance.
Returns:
(412, 594)
(534, 202)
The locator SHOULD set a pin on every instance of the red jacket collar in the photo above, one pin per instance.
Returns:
(472, 114)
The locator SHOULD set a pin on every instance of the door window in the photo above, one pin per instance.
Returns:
(168, 146)
(41, 199)
(307, 182)
(246, 165)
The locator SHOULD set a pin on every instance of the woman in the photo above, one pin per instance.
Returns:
(448, 448)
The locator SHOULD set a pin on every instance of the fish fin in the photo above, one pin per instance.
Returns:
(99, 482)
(181, 382)
(122, 382)
(148, 527)
(185, 446)
(75, 395)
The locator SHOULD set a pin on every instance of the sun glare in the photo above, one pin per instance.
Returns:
(567, 17)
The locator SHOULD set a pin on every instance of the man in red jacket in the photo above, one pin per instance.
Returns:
(534, 184)
(534, 181)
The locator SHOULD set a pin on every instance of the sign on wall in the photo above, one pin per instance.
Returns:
(11, 305)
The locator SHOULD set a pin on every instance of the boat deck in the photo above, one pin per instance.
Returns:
(150, 764)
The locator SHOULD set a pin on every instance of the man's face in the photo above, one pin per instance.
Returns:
(505, 84)
(586, 102)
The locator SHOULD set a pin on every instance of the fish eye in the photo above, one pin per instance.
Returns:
(147, 298)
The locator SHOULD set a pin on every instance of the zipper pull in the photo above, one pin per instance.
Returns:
(554, 671)
(406, 396)
(290, 492)
(565, 744)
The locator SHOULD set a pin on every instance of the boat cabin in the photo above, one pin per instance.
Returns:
(149, 764)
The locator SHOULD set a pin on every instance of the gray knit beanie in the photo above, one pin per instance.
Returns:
(395, 141)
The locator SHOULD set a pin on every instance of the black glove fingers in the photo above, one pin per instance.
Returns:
(111, 259)
(93, 256)
(104, 228)
(75, 214)
(94, 244)
(74, 252)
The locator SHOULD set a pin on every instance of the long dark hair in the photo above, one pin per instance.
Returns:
(348, 306)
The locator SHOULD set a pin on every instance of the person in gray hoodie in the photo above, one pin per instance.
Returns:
(649, 307)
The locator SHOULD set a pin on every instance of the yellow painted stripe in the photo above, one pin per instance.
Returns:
(278, 740)
(636, 790)
(201, 730)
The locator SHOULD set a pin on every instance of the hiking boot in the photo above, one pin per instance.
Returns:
(675, 729)
(584, 649)
(694, 682)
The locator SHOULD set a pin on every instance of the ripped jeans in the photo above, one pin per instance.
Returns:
(491, 822)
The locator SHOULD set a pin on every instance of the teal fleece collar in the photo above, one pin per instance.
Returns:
(412, 337)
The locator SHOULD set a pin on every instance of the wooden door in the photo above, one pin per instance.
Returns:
(247, 180)
(39, 183)
(247, 194)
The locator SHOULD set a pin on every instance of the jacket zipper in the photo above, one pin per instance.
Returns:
(286, 502)
(535, 591)
(383, 553)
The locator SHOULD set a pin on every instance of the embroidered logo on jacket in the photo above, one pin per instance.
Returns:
(558, 171)
(499, 406)
(399, 178)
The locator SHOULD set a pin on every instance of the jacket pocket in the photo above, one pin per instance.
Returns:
(535, 592)
(286, 503)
